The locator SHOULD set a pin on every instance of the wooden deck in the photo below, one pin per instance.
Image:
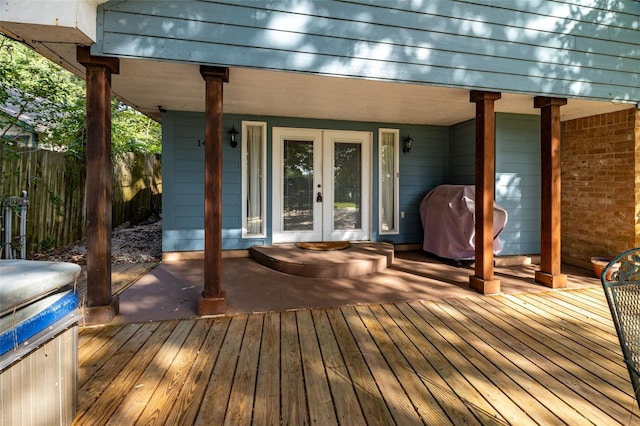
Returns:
(123, 276)
(544, 358)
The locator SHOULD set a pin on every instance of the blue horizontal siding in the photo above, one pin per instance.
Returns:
(557, 48)
(440, 155)
(183, 160)
(475, 48)
(183, 222)
(194, 198)
(463, 153)
(517, 187)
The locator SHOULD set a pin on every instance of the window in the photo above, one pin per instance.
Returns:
(388, 181)
(254, 176)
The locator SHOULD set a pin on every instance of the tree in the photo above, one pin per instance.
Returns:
(33, 93)
(54, 100)
(39, 96)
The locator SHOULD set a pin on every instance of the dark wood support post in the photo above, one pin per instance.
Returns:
(550, 251)
(483, 281)
(213, 299)
(101, 306)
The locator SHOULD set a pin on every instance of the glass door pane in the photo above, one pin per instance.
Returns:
(347, 186)
(298, 188)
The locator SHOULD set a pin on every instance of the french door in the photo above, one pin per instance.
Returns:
(321, 185)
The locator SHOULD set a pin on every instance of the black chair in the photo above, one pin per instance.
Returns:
(621, 283)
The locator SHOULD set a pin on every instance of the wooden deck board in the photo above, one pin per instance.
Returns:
(244, 381)
(576, 311)
(102, 374)
(101, 410)
(391, 390)
(293, 403)
(492, 383)
(91, 355)
(345, 400)
(319, 401)
(443, 358)
(214, 404)
(426, 362)
(418, 394)
(138, 397)
(159, 405)
(588, 303)
(565, 343)
(550, 380)
(597, 331)
(267, 398)
(557, 325)
(543, 358)
(503, 349)
(188, 403)
(373, 406)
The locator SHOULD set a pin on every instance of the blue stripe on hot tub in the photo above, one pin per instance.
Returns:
(38, 322)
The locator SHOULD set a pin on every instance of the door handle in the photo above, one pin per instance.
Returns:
(319, 197)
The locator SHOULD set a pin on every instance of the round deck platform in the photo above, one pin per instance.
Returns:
(358, 259)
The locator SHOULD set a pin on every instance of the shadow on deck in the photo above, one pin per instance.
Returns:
(171, 290)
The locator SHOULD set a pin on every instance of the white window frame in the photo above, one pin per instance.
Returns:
(245, 183)
(396, 182)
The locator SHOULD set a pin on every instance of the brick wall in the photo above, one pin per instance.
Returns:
(600, 186)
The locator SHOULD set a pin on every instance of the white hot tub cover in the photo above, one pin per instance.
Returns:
(448, 219)
(25, 281)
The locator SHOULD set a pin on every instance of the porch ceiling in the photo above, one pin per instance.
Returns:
(175, 86)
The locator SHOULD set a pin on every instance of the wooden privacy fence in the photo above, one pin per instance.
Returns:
(55, 184)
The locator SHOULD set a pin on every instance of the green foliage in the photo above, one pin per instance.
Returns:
(55, 101)
(48, 243)
(56, 200)
(43, 98)
(71, 132)
(132, 131)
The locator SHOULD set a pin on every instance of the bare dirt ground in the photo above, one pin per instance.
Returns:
(129, 244)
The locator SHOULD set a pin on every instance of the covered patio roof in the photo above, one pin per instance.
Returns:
(151, 85)
(55, 29)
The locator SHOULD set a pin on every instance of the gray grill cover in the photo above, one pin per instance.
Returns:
(448, 220)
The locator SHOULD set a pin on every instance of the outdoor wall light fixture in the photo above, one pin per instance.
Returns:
(232, 136)
(408, 144)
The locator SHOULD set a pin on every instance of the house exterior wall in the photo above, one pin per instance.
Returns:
(600, 186)
(463, 153)
(183, 175)
(517, 175)
(600, 165)
(431, 162)
(426, 166)
(562, 48)
(517, 184)
(580, 49)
